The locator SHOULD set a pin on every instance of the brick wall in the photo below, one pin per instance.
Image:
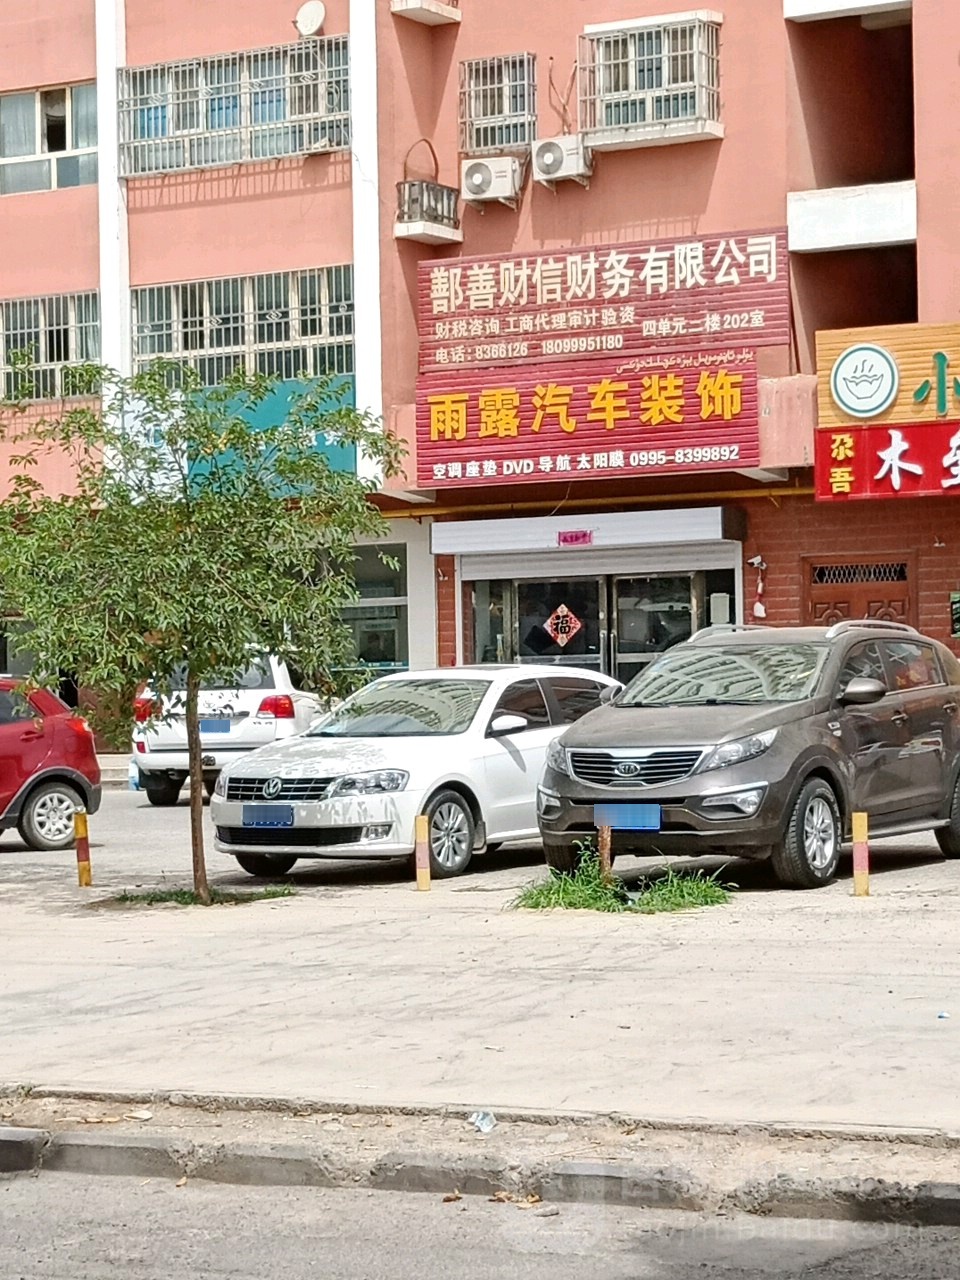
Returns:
(784, 532)
(445, 575)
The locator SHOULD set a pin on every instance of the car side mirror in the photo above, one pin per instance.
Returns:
(502, 726)
(862, 691)
(610, 693)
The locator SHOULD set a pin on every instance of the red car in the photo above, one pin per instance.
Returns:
(48, 766)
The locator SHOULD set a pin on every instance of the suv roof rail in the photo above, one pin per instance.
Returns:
(727, 627)
(857, 624)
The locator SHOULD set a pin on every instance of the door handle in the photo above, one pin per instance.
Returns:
(29, 734)
(900, 717)
(950, 706)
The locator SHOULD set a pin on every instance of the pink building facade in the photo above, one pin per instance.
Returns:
(577, 255)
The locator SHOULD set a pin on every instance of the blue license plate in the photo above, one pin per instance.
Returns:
(627, 817)
(268, 815)
(214, 726)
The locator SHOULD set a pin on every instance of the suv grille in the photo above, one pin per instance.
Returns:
(652, 769)
(290, 789)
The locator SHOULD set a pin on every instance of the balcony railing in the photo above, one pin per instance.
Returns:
(428, 202)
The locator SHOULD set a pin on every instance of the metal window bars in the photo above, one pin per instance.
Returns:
(498, 103)
(56, 333)
(261, 104)
(295, 324)
(422, 201)
(650, 80)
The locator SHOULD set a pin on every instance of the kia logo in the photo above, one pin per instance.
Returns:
(627, 769)
(272, 788)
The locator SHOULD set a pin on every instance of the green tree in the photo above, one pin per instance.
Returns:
(190, 539)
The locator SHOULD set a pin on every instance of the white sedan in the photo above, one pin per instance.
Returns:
(463, 745)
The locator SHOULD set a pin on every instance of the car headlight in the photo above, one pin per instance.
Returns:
(220, 787)
(740, 749)
(557, 758)
(369, 784)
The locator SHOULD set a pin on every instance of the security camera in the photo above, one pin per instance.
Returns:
(757, 562)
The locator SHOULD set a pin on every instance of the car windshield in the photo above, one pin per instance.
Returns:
(696, 675)
(406, 708)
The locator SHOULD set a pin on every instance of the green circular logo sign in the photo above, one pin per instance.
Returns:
(865, 380)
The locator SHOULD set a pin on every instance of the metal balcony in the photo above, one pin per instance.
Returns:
(427, 212)
(431, 13)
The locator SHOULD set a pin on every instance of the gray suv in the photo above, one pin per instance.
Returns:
(760, 742)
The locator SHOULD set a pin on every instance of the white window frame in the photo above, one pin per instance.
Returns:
(684, 99)
(43, 155)
(161, 321)
(487, 83)
(50, 376)
(304, 88)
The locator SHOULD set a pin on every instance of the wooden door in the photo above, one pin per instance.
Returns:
(839, 587)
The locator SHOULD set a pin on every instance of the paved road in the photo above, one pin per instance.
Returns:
(812, 1007)
(64, 1227)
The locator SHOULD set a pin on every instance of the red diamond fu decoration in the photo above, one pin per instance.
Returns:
(562, 625)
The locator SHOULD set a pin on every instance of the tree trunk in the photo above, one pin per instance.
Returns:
(201, 888)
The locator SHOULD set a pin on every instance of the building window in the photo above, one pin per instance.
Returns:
(259, 105)
(48, 139)
(379, 619)
(55, 333)
(651, 80)
(296, 324)
(498, 103)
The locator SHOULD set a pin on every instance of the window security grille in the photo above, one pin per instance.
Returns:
(239, 107)
(833, 575)
(56, 333)
(419, 201)
(295, 324)
(652, 80)
(498, 103)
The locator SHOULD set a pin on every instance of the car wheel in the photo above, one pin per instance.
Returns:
(948, 837)
(259, 864)
(451, 832)
(810, 851)
(46, 820)
(162, 791)
(562, 858)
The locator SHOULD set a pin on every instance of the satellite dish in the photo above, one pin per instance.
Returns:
(311, 17)
(478, 178)
(549, 158)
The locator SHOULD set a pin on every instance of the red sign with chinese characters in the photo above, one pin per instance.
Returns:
(683, 411)
(606, 301)
(889, 462)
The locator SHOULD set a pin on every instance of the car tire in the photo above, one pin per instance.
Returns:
(46, 819)
(562, 858)
(948, 837)
(808, 855)
(260, 864)
(451, 831)
(162, 792)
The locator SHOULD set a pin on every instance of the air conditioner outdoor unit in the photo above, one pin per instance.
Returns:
(555, 159)
(495, 178)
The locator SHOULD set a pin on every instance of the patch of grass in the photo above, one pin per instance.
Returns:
(679, 892)
(586, 890)
(187, 897)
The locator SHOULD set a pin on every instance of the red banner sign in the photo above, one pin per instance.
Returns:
(684, 411)
(888, 461)
(608, 301)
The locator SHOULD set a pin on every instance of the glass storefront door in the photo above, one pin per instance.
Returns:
(614, 624)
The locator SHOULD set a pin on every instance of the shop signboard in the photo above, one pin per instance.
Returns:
(596, 419)
(610, 301)
(889, 412)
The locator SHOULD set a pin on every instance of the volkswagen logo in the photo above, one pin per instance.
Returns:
(272, 788)
(627, 769)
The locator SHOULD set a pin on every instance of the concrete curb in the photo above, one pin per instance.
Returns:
(36, 1151)
(939, 1138)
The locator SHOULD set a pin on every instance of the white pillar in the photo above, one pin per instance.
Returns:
(111, 45)
(365, 181)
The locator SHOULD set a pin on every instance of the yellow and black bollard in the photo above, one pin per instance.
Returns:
(82, 838)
